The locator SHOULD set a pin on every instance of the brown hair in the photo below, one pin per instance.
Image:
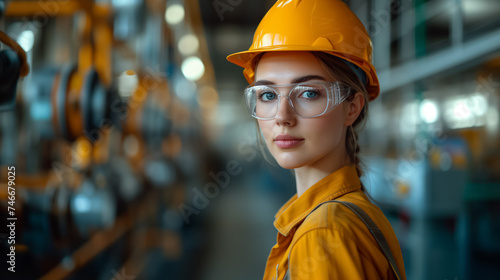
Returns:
(341, 72)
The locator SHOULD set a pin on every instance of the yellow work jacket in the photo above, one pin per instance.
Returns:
(332, 242)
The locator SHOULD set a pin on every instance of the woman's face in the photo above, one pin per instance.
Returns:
(317, 142)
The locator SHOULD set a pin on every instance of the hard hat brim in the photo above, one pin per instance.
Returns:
(244, 59)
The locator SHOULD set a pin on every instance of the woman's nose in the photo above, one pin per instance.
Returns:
(285, 114)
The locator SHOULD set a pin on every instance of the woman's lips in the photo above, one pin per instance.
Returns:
(287, 141)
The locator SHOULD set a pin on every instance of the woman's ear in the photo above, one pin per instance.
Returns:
(353, 109)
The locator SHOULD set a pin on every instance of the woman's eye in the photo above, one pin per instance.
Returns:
(310, 94)
(267, 96)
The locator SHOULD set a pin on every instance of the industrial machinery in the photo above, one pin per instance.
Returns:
(97, 129)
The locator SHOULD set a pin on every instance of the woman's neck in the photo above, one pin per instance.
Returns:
(309, 175)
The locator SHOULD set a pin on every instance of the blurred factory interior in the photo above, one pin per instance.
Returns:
(135, 157)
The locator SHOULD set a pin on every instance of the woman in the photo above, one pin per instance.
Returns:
(311, 79)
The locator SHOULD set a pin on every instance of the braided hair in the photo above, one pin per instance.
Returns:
(341, 71)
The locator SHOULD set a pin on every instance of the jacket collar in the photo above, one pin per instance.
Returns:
(295, 210)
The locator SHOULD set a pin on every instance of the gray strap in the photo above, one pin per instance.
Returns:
(287, 275)
(374, 230)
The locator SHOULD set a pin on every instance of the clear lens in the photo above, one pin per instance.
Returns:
(262, 101)
(308, 100)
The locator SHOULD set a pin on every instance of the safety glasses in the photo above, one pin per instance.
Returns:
(307, 100)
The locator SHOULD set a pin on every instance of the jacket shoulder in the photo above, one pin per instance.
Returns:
(336, 216)
(341, 222)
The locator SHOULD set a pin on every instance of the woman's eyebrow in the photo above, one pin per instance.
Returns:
(263, 82)
(307, 78)
(294, 81)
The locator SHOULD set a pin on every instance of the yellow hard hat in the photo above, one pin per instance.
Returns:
(312, 25)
